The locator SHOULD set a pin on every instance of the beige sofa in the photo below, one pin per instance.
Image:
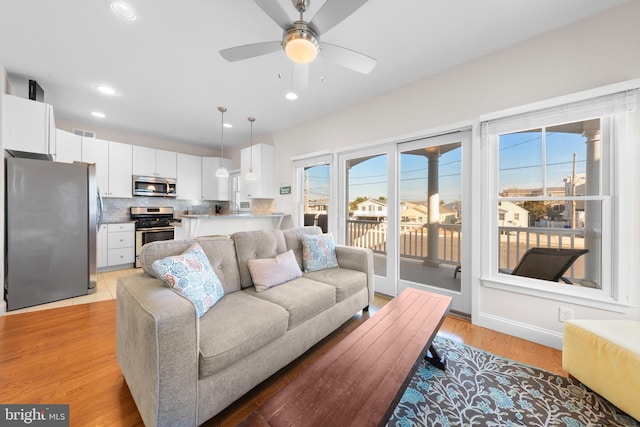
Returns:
(183, 370)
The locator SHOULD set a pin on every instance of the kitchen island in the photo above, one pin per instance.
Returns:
(226, 224)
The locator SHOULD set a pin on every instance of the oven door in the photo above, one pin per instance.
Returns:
(147, 235)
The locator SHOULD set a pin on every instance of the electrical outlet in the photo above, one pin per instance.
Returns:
(565, 314)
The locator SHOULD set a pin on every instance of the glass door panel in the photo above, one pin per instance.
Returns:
(367, 207)
(316, 195)
(430, 189)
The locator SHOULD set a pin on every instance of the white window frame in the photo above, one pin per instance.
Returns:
(616, 102)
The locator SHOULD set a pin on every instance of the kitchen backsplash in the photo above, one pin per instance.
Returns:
(117, 210)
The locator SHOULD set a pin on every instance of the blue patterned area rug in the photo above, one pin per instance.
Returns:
(482, 389)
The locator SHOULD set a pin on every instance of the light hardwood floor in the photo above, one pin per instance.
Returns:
(66, 355)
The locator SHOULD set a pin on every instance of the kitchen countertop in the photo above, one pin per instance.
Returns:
(195, 225)
(238, 215)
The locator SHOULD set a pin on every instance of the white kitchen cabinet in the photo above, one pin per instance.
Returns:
(103, 246)
(120, 169)
(189, 177)
(120, 244)
(263, 164)
(28, 125)
(214, 188)
(152, 162)
(68, 147)
(113, 165)
(97, 151)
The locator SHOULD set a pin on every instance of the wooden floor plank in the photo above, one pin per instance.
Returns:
(67, 355)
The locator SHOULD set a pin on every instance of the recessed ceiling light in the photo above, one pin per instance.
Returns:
(98, 114)
(291, 96)
(228, 125)
(123, 10)
(106, 90)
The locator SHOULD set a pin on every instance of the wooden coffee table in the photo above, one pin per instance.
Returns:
(360, 381)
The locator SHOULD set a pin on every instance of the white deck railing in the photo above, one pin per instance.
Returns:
(514, 241)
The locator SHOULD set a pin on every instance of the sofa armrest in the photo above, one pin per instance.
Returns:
(157, 350)
(359, 259)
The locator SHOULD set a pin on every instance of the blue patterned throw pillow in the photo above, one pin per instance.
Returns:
(318, 252)
(191, 275)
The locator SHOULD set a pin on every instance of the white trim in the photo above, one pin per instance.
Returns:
(564, 99)
(587, 297)
(521, 330)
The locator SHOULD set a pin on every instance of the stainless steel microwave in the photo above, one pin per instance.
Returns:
(154, 186)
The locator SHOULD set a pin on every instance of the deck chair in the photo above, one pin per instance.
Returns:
(547, 263)
(323, 222)
(309, 219)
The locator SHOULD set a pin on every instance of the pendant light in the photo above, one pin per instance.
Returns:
(222, 172)
(250, 176)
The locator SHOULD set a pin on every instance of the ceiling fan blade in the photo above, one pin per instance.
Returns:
(275, 12)
(348, 58)
(247, 51)
(334, 12)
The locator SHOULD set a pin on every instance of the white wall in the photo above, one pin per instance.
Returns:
(3, 89)
(594, 52)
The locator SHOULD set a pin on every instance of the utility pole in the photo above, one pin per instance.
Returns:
(572, 218)
(306, 193)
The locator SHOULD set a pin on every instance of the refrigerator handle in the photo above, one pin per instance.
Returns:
(100, 209)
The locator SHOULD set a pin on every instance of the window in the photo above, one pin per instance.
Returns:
(542, 167)
(556, 173)
(313, 184)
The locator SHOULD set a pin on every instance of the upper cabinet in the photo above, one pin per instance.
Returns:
(189, 177)
(152, 162)
(214, 188)
(28, 125)
(263, 161)
(113, 165)
(68, 147)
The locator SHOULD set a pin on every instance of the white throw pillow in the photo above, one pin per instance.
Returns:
(269, 272)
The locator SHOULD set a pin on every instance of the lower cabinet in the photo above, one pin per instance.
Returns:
(119, 247)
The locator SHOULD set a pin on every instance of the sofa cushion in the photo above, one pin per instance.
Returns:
(302, 298)
(347, 282)
(269, 272)
(220, 252)
(256, 244)
(191, 275)
(238, 325)
(318, 252)
(293, 238)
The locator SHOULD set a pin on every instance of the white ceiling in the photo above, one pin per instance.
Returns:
(170, 77)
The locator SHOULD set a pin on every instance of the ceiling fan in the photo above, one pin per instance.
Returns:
(301, 39)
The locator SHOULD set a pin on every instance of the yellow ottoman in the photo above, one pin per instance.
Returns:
(605, 356)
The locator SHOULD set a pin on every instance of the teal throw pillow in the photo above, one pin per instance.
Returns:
(318, 252)
(191, 275)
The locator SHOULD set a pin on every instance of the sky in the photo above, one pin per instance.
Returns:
(520, 159)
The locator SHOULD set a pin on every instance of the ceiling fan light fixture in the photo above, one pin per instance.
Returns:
(301, 44)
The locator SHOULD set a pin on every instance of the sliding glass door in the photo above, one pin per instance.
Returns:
(365, 197)
(430, 220)
(404, 201)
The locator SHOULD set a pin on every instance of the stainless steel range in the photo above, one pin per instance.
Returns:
(152, 224)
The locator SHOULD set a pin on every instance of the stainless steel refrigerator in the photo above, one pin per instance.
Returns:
(53, 213)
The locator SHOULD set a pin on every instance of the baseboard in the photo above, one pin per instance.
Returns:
(521, 330)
